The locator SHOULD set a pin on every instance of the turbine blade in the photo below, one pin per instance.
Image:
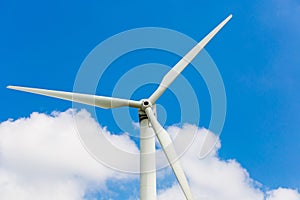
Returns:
(170, 152)
(98, 101)
(181, 65)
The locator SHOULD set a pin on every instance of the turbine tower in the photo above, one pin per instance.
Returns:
(147, 119)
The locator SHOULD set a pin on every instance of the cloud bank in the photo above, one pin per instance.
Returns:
(41, 157)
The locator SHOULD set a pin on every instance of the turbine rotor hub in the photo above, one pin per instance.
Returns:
(146, 104)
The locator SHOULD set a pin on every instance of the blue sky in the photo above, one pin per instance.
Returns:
(44, 43)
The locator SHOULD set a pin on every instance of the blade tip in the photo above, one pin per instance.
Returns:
(10, 87)
(229, 17)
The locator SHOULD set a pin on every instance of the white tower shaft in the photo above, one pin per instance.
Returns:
(147, 159)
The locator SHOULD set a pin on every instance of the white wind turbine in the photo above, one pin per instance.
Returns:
(148, 121)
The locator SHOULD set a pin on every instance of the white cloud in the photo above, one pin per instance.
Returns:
(41, 157)
(212, 178)
(283, 194)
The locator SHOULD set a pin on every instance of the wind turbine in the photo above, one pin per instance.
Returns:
(147, 119)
